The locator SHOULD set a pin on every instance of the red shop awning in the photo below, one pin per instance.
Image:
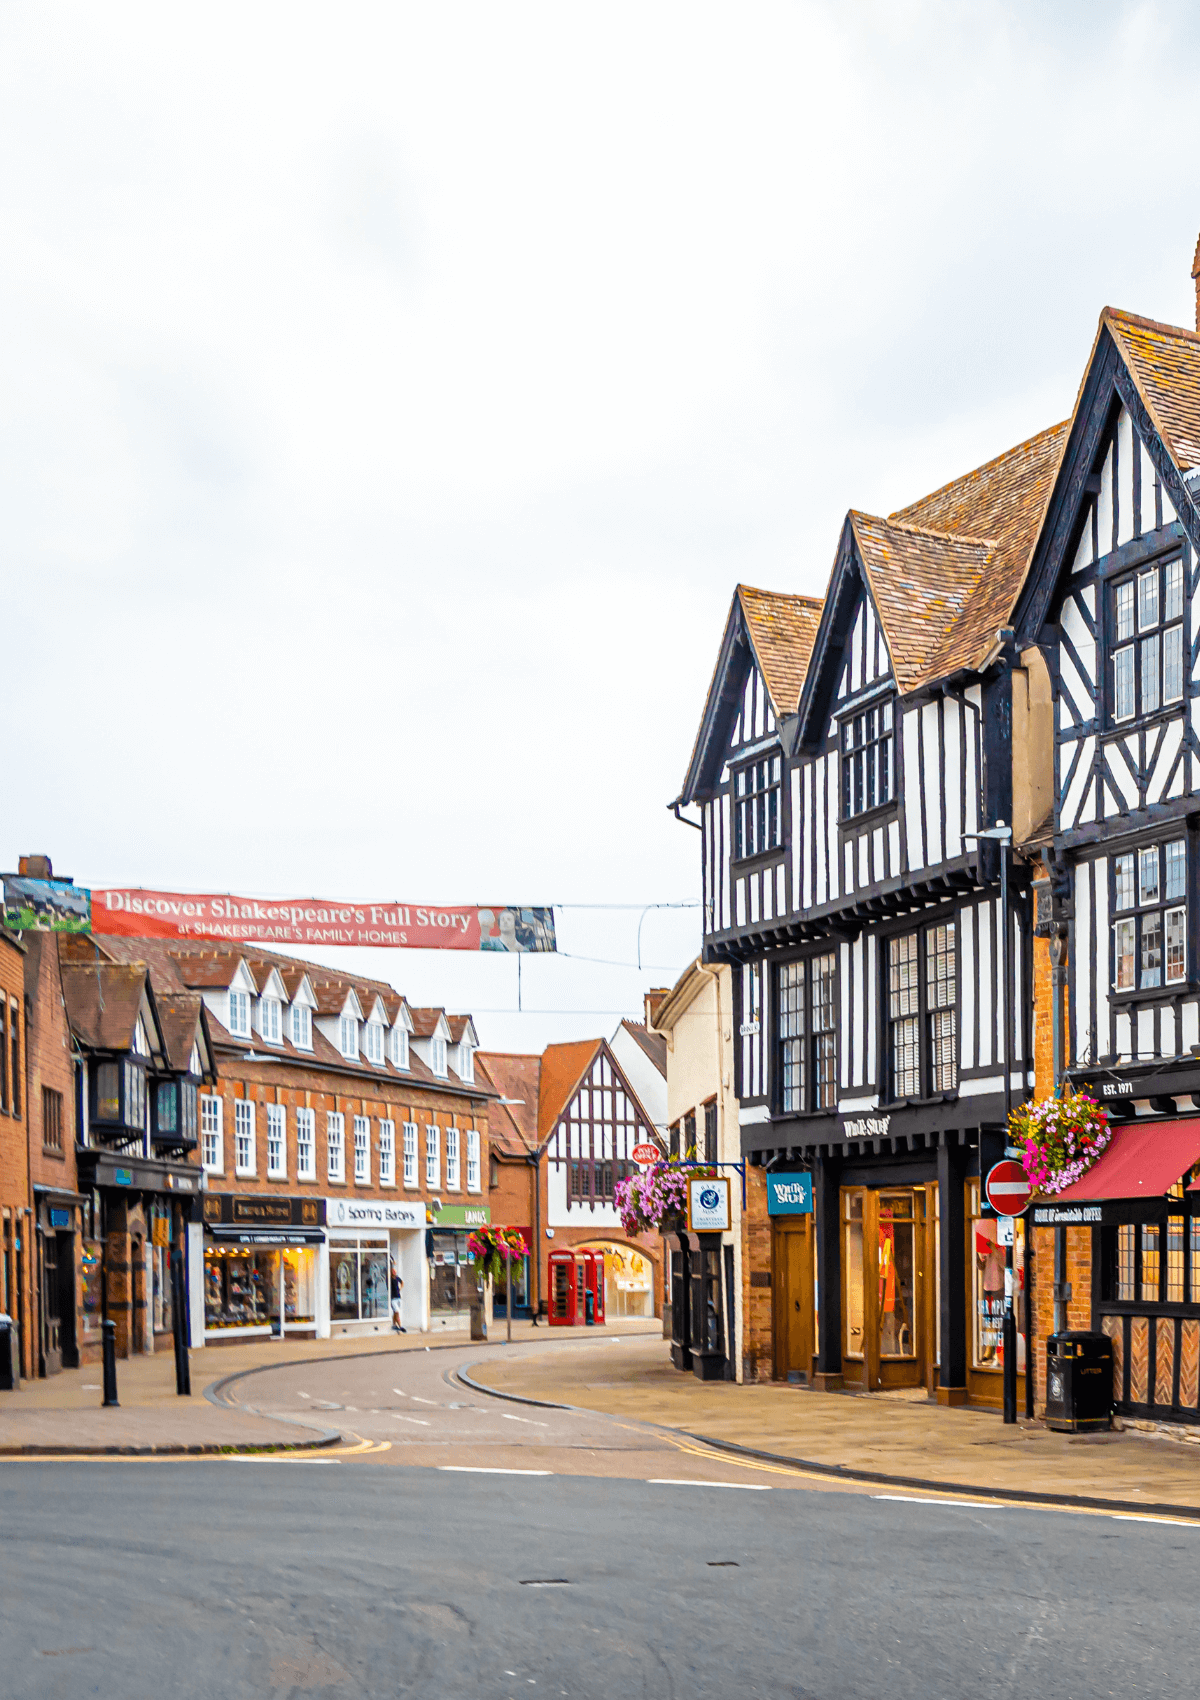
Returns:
(1141, 1162)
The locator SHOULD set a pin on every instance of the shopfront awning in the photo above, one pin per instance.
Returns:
(264, 1236)
(1141, 1162)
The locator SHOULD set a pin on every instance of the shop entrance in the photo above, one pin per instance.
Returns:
(792, 1288)
(888, 1287)
(49, 1294)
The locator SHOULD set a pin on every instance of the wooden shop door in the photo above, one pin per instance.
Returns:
(792, 1287)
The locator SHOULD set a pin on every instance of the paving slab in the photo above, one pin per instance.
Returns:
(900, 1437)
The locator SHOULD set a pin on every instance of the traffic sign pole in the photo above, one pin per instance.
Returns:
(1008, 1191)
(1010, 1337)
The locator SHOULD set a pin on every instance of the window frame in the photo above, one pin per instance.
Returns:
(301, 1026)
(759, 806)
(374, 1042)
(474, 1171)
(362, 1150)
(239, 1001)
(387, 1151)
(276, 1141)
(398, 1047)
(244, 1113)
(335, 1143)
(212, 1108)
(412, 1155)
(270, 1020)
(924, 1014)
(883, 739)
(433, 1156)
(811, 1040)
(1143, 632)
(1161, 909)
(453, 1160)
(306, 1144)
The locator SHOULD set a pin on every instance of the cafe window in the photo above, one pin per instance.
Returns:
(757, 806)
(806, 1047)
(1154, 1262)
(1150, 902)
(868, 772)
(358, 1279)
(1147, 635)
(922, 1013)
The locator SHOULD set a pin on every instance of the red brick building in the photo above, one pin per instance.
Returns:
(345, 1133)
(16, 1260)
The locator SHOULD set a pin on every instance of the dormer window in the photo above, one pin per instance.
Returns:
(399, 1046)
(437, 1053)
(1147, 627)
(466, 1062)
(302, 1027)
(868, 765)
(348, 1037)
(239, 1014)
(758, 813)
(375, 1041)
(269, 1019)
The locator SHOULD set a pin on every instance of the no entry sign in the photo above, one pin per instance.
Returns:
(1007, 1188)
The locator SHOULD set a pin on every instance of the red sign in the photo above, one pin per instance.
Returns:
(134, 913)
(1007, 1188)
(647, 1154)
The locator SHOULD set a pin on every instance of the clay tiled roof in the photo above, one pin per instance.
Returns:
(654, 1045)
(963, 560)
(782, 630)
(103, 1002)
(1164, 363)
(563, 1067)
(178, 1020)
(211, 970)
(512, 1128)
(424, 1022)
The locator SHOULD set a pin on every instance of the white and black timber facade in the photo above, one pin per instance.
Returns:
(1113, 602)
(851, 751)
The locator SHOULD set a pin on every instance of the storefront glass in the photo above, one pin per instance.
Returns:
(854, 1275)
(897, 1271)
(358, 1279)
(160, 1274)
(241, 1285)
(92, 1265)
(452, 1283)
(987, 1289)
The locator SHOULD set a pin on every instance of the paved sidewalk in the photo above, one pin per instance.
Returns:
(884, 1433)
(66, 1412)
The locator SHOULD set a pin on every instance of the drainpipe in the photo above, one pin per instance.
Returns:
(1058, 982)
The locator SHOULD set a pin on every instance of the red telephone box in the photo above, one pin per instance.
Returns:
(563, 1282)
(594, 1283)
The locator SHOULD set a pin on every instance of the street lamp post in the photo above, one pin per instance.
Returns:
(1001, 835)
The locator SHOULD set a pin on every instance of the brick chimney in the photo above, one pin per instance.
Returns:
(35, 868)
(1196, 280)
(655, 998)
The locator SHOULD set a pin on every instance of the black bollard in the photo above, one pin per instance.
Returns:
(183, 1368)
(108, 1334)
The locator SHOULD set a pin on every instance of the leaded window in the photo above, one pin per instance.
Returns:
(1147, 634)
(757, 806)
(1150, 904)
(868, 764)
(922, 1012)
(807, 1038)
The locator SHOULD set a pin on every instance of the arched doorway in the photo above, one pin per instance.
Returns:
(628, 1278)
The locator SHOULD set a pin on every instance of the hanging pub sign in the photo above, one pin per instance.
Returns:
(708, 1206)
(46, 906)
(132, 912)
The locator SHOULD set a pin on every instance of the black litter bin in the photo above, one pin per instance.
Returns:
(9, 1376)
(1079, 1382)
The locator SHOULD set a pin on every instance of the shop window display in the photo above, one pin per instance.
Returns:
(855, 1338)
(92, 1269)
(452, 1283)
(897, 1268)
(358, 1280)
(241, 1286)
(987, 1289)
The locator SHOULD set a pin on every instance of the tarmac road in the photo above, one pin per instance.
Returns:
(620, 1573)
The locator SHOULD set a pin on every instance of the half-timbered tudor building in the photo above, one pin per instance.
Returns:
(1113, 601)
(850, 754)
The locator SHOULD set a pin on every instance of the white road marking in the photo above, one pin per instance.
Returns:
(400, 1391)
(509, 1418)
(967, 1504)
(304, 1395)
(1134, 1517)
(420, 1421)
(489, 1470)
(418, 1399)
(689, 1481)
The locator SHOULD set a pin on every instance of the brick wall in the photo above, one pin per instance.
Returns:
(758, 1340)
(1043, 1021)
(16, 1240)
(1079, 1310)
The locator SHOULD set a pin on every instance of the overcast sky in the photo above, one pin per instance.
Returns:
(392, 396)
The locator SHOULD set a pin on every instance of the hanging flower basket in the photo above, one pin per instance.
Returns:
(655, 1201)
(492, 1249)
(1060, 1139)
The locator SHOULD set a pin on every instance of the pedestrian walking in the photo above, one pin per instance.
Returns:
(397, 1302)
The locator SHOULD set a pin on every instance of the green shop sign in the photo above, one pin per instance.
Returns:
(462, 1216)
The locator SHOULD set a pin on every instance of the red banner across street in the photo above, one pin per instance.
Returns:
(131, 912)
